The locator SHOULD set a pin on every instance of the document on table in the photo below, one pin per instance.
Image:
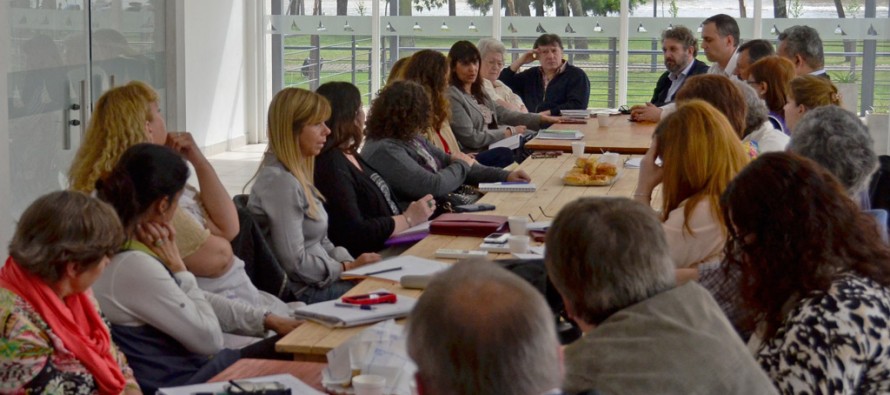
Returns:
(394, 268)
(294, 384)
(511, 142)
(548, 134)
(331, 315)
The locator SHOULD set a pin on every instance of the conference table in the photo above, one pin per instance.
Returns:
(621, 136)
(311, 341)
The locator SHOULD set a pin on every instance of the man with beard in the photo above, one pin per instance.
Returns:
(679, 48)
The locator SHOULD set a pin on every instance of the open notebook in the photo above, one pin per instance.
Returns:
(329, 314)
(394, 268)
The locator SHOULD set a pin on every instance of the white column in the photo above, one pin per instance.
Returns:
(758, 19)
(375, 47)
(623, 28)
(496, 19)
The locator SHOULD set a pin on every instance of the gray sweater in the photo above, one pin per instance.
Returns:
(404, 170)
(468, 123)
(280, 206)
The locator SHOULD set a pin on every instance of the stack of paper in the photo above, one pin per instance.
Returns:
(394, 268)
(578, 114)
(511, 142)
(329, 314)
(507, 187)
(549, 134)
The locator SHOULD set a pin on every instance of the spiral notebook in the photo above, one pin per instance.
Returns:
(507, 187)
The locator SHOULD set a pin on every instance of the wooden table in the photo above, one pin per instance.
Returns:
(307, 372)
(622, 136)
(311, 341)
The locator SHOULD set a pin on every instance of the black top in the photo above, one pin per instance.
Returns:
(359, 212)
(659, 97)
(569, 90)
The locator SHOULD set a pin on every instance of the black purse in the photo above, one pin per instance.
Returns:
(465, 194)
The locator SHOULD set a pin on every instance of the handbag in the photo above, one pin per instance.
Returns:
(465, 194)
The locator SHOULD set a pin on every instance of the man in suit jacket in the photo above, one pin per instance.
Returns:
(679, 48)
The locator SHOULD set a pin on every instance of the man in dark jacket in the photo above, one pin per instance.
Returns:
(553, 86)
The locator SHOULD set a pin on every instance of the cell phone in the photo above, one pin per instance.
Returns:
(470, 208)
(497, 238)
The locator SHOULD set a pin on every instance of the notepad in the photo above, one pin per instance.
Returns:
(409, 265)
(328, 314)
(507, 187)
(511, 142)
(548, 134)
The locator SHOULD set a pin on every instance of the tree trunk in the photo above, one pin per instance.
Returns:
(522, 8)
(561, 8)
(780, 9)
(742, 11)
(581, 42)
(840, 9)
(341, 7)
(452, 7)
(511, 8)
(539, 7)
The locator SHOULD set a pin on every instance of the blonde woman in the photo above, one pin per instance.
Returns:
(288, 207)
(701, 153)
(205, 222)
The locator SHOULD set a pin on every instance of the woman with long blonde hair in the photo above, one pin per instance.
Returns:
(288, 207)
(205, 221)
(701, 154)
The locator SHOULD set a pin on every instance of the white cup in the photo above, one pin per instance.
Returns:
(578, 148)
(519, 244)
(369, 384)
(518, 225)
(603, 120)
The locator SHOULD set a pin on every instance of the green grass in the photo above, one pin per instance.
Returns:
(337, 55)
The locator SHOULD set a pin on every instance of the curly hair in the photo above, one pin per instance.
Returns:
(429, 69)
(117, 123)
(777, 73)
(464, 52)
(346, 102)
(721, 93)
(794, 231)
(400, 111)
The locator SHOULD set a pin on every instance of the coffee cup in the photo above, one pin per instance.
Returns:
(519, 244)
(369, 384)
(518, 225)
(603, 120)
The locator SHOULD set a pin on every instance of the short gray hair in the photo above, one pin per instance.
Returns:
(804, 41)
(479, 329)
(757, 112)
(605, 254)
(489, 44)
(836, 139)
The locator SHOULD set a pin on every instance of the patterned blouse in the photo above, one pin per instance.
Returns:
(33, 360)
(835, 342)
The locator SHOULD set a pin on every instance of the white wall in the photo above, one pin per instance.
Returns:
(213, 52)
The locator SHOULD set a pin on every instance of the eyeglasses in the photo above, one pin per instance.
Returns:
(542, 213)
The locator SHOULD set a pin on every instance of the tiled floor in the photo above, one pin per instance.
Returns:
(236, 167)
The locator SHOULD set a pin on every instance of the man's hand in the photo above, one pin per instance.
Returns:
(645, 113)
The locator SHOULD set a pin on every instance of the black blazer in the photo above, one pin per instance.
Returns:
(659, 97)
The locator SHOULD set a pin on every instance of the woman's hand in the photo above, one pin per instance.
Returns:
(518, 176)
(650, 174)
(463, 158)
(160, 239)
(184, 144)
(362, 260)
(420, 210)
(281, 325)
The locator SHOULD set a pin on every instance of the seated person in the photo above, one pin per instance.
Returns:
(364, 204)
(642, 333)
(205, 222)
(410, 165)
(759, 133)
(749, 53)
(288, 207)
(808, 92)
(462, 346)
(493, 52)
(167, 327)
(701, 154)
(476, 120)
(553, 86)
(815, 277)
(54, 337)
(771, 78)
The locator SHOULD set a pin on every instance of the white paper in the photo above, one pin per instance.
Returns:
(539, 225)
(422, 227)
(511, 142)
(526, 256)
(537, 250)
(560, 135)
(378, 350)
(633, 163)
(410, 265)
(329, 314)
(296, 386)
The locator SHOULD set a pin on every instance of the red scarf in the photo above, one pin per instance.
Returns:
(76, 321)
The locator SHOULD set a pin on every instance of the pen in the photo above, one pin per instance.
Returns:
(355, 306)
(384, 271)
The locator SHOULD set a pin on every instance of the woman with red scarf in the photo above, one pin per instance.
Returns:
(52, 339)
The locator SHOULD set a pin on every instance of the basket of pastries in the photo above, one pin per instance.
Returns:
(601, 170)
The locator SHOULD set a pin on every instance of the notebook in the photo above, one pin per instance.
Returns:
(330, 315)
(393, 269)
(294, 384)
(507, 187)
(548, 134)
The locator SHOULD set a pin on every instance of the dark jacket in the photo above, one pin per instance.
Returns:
(659, 97)
(569, 90)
